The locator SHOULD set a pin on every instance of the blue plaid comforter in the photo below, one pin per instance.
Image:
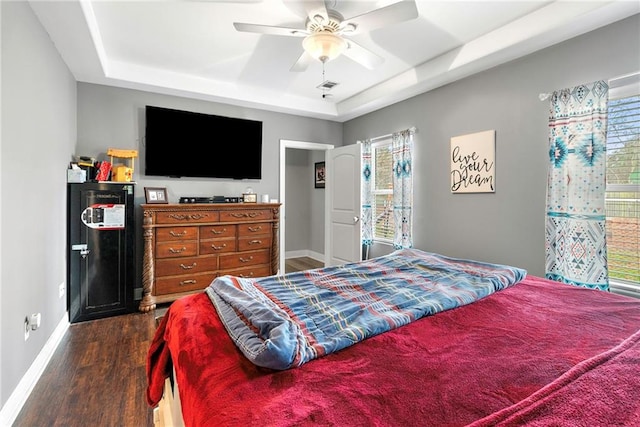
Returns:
(281, 322)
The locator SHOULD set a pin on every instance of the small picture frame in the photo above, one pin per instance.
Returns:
(249, 198)
(319, 175)
(155, 195)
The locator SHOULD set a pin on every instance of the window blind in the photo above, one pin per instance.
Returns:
(623, 193)
(382, 160)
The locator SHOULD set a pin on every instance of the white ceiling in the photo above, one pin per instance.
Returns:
(191, 48)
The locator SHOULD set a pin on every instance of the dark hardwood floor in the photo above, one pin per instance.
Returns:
(97, 375)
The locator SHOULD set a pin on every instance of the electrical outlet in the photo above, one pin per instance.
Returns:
(36, 318)
(27, 328)
(61, 290)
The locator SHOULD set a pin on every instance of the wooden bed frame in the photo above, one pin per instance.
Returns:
(168, 413)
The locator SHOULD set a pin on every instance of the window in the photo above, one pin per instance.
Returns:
(387, 189)
(382, 189)
(622, 199)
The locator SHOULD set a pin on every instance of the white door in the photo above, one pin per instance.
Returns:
(342, 201)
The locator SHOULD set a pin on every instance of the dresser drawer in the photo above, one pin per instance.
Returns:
(176, 233)
(177, 266)
(254, 242)
(254, 229)
(188, 282)
(176, 249)
(249, 272)
(246, 215)
(217, 246)
(216, 231)
(244, 259)
(186, 217)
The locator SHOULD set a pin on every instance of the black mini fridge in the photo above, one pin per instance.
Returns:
(100, 250)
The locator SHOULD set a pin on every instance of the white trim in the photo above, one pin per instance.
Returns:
(18, 398)
(284, 144)
(305, 253)
(624, 86)
(621, 288)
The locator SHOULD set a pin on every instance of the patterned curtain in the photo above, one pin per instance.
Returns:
(402, 151)
(575, 245)
(366, 195)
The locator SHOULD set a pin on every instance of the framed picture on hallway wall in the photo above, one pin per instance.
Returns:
(319, 178)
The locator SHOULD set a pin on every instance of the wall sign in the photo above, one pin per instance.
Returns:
(473, 162)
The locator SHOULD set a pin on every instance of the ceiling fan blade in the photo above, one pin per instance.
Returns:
(303, 62)
(394, 13)
(271, 30)
(316, 7)
(362, 56)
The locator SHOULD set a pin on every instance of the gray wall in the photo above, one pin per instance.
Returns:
(305, 203)
(113, 117)
(299, 187)
(38, 138)
(317, 207)
(507, 226)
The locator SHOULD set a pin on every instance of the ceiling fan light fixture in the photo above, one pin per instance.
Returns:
(324, 45)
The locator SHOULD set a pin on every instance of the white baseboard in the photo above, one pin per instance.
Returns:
(305, 253)
(18, 398)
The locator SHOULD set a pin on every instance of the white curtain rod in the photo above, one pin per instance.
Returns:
(412, 129)
(613, 83)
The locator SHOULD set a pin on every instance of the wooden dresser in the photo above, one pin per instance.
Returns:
(187, 245)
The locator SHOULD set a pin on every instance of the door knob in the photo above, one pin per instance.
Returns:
(355, 219)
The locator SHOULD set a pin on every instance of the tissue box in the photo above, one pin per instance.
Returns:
(76, 175)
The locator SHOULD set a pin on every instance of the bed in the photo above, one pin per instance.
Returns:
(523, 351)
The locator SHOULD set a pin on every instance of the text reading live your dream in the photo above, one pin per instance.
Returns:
(471, 170)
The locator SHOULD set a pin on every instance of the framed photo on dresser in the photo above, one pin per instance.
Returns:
(155, 195)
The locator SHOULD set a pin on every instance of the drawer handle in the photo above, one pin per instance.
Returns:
(246, 259)
(181, 217)
(255, 242)
(254, 229)
(174, 234)
(188, 282)
(177, 251)
(247, 275)
(246, 215)
(217, 248)
(188, 267)
(214, 231)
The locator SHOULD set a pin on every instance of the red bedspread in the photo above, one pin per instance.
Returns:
(453, 368)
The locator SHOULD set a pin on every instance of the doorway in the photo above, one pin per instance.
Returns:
(303, 156)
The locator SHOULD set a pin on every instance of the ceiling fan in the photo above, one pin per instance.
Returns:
(325, 32)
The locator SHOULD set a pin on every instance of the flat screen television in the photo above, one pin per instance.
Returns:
(188, 144)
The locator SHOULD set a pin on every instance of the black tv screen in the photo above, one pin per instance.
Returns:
(187, 144)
